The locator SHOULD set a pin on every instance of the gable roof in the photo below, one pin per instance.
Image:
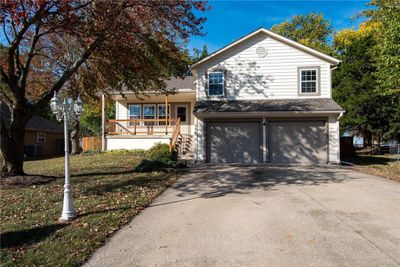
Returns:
(36, 123)
(280, 38)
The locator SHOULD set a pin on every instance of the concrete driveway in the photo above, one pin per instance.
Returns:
(226, 215)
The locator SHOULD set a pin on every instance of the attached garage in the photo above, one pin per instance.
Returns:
(302, 142)
(281, 131)
(229, 142)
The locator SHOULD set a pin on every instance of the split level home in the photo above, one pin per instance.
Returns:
(261, 99)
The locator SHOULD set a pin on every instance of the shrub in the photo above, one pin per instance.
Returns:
(160, 152)
(151, 166)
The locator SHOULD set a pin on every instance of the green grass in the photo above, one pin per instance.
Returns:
(382, 165)
(107, 194)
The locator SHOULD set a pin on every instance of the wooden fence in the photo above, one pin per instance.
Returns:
(91, 143)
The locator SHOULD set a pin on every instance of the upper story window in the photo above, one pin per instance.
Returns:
(216, 83)
(309, 80)
(40, 138)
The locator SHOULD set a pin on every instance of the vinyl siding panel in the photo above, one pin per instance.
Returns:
(334, 139)
(274, 76)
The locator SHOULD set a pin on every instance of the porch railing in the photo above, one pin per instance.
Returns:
(175, 135)
(141, 127)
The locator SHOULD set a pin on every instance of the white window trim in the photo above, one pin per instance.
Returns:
(223, 83)
(129, 113)
(150, 105)
(317, 81)
(169, 112)
(40, 137)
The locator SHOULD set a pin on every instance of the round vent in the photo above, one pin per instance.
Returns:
(261, 51)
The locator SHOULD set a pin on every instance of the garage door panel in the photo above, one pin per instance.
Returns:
(233, 142)
(298, 142)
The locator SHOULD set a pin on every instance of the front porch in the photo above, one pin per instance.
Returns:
(141, 122)
(141, 133)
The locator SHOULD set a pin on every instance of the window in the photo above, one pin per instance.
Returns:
(308, 80)
(40, 138)
(149, 112)
(161, 113)
(216, 83)
(135, 112)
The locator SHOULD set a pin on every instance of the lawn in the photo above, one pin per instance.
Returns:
(107, 194)
(383, 165)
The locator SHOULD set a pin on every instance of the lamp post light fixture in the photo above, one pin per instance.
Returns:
(63, 111)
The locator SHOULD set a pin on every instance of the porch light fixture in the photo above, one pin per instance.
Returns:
(64, 110)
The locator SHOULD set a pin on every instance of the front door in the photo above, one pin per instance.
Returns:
(181, 112)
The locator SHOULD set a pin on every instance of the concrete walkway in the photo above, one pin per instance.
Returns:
(264, 216)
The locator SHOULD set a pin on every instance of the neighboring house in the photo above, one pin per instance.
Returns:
(43, 138)
(261, 99)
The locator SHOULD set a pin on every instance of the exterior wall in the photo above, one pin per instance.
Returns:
(199, 150)
(274, 76)
(53, 145)
(334, 139)
(117, 142)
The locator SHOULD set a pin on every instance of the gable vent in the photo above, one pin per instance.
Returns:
(261, 51)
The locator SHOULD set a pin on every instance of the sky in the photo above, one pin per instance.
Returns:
(230, 20)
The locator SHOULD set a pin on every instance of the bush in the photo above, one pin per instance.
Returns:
(160, 152)
(151, 166)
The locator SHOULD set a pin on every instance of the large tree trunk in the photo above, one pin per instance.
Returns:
(12, 143)
(75, 139)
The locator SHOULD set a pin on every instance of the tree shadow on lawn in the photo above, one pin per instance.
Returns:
(366, 160)
(28, 236)
(140, 181)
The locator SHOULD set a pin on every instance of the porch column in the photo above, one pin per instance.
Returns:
(103, 123)
(166, 114)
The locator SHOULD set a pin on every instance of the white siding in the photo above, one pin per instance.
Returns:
(199, 153)
(121, 110)
(114, 143)
(334, 139)
(274, 76)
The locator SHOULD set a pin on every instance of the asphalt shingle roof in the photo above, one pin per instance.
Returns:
(36, 123)
(268, 105)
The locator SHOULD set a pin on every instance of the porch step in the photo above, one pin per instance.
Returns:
(185, 147)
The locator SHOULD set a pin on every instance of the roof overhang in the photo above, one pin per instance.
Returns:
(333, 61)
(267, 107)
(272, 114)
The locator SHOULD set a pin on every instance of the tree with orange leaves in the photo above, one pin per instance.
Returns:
(46, 44)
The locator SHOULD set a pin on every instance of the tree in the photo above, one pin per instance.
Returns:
(368, 112)
(130, 44)
(199, 54)
(312, 30)
(387, 50)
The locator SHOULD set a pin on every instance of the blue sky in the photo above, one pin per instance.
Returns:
(229, 20)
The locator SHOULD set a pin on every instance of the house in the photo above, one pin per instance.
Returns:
(43, 138)
(261, 99)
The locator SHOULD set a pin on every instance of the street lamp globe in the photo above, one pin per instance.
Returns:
(55, 104)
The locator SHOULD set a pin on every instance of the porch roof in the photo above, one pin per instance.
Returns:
(173, 85)
(323, 105)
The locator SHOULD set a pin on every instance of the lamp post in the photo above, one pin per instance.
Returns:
(65, 110)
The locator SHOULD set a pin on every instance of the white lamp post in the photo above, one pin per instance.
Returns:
(66, 109)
